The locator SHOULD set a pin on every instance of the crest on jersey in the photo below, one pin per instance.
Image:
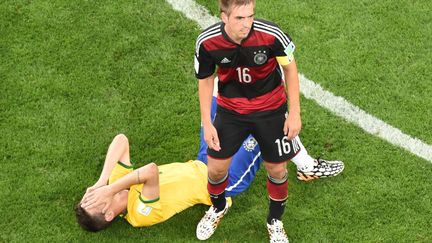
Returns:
(250, 144)
(289, 50)
(144, 209)
(260, 57)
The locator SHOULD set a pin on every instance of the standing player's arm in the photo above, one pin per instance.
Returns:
(205, 90)
(293, 122)
(147, 175)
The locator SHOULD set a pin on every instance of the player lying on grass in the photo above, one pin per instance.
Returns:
(145, 196)
(152, 194)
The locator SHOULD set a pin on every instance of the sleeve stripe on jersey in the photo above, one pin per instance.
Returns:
(148, 201)
(203, 36)
(244, 174)
(275, 28)
(204, 39)
(273, 31)
(200, 38)
(207, 31)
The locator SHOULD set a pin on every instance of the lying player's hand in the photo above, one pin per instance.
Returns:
(100, 196)
(92, 188)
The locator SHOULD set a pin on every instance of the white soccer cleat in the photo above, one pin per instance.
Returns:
(321, 169)
(276, 232)
(208, 224)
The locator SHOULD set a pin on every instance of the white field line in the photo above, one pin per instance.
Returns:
(367, 122)
(335, 104)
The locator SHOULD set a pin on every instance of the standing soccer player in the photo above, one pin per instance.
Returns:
(251, 99)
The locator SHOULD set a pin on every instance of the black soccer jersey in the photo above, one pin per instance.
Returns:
(250, 79)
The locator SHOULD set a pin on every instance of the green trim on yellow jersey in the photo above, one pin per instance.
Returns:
(148, 201)
(124, 165)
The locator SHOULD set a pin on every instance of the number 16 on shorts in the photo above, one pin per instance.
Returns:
(286, 146)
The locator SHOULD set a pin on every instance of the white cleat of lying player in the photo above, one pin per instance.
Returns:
(321, 169)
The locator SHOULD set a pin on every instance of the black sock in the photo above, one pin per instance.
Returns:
(218, 201)
(276, 210)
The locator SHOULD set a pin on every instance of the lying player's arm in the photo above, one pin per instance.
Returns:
(147, 175)
(117, 151)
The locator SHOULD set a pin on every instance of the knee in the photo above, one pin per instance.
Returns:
(276, 170)
(217, 170)
(217, 174)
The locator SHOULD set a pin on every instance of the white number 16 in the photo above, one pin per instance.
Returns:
(283, 145)
(243, 75)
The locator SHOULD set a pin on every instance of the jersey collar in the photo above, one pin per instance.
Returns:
(227, 38)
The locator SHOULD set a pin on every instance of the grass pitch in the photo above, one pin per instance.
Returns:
(75, 73)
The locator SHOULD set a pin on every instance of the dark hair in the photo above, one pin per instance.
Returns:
(92, 223)
(225, 5)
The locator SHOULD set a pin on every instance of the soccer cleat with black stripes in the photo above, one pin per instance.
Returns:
(276, 232)
(208, 224)
(321, 169)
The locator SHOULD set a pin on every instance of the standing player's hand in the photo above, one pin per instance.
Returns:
(100, 196)
(292, 125)
(211, 137)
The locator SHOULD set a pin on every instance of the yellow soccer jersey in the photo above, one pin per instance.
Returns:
(182, 185)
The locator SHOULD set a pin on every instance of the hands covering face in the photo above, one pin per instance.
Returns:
(97, 196)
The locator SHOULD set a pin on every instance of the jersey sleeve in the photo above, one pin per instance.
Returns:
(203, 63)
(284, 48)
(119, 170)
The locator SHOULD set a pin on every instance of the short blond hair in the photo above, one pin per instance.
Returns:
(226, 5)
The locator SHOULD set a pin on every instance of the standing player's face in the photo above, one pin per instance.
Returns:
(239, 22)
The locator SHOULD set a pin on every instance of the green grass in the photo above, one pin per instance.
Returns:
(374, 53)
(75, 73)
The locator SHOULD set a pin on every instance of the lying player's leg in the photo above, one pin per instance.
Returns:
(309, 168)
